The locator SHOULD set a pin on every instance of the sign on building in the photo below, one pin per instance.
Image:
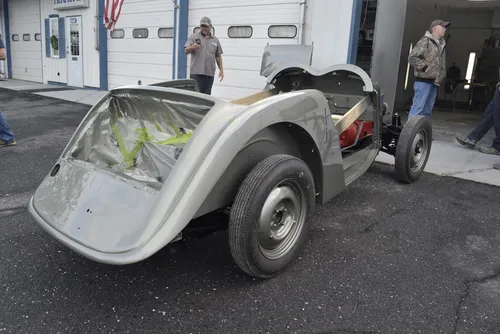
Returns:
(70, 4)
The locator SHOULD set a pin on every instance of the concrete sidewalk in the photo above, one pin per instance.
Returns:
(448, 158)
(84, 96)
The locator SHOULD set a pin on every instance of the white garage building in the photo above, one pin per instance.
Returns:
(64, 42)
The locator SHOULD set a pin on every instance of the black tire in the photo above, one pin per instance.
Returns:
(406, 151)
(245, 231)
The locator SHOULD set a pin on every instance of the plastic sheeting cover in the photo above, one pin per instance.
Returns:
(140, 134)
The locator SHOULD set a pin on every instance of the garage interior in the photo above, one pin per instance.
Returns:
(473, 52)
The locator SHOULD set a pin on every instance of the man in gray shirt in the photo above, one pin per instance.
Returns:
(205, 50)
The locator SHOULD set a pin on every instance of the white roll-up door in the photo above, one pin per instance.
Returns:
(141, 47)
(25, 40)
(244, 28)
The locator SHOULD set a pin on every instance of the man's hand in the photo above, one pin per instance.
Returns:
(3, 54)
(221, 75)
(191, 48)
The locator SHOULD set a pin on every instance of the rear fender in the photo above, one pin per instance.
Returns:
(203, 164)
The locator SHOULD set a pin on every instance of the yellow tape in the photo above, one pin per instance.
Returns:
(145, 137)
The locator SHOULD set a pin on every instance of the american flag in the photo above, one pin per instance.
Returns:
(112, 9)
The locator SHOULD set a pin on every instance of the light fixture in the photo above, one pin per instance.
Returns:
(408, 69)
(470, 69)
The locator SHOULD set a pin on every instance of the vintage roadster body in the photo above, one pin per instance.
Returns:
(149, 164)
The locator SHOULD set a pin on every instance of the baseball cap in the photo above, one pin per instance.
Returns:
(205, 21)
(439, 22)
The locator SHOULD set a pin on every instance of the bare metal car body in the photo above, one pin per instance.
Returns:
(148, 160)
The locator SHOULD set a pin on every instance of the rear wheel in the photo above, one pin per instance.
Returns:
(269, 218)
(413, 149)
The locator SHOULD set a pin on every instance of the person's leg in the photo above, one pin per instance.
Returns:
(422, 90)
(6, 134)
(495, 112)
(199, 81)
(481, 129)
(431, 100)
(496, 120)
(209, 82)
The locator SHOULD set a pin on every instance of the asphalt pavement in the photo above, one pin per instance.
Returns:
(381, 258)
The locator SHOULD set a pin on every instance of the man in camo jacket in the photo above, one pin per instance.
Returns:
(428, 58)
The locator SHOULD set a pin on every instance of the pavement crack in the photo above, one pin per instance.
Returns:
(370, 227)
(474, 170)
(343, 330)
(37, 106)
(466, 292)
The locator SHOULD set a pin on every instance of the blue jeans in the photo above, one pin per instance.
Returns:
(491, 118)
(6, 134)
(424, 99)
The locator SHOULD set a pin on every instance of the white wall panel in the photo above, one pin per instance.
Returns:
(328, 26)
(24, 18)
(148, 60)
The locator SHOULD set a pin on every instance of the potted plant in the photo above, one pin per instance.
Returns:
(54, 41)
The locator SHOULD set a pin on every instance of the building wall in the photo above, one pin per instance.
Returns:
(55, 69)
(328, 26)
(149, 59)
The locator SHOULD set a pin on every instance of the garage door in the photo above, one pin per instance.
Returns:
(141, 47)
(244, 28)
(25, 40)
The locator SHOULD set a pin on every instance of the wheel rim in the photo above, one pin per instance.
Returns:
(282, 219)
(419, 151)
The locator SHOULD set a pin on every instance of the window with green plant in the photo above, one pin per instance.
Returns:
(54, 37)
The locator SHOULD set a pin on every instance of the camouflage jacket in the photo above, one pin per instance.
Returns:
(428, 58)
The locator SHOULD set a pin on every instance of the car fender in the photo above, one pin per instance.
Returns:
(192, 180)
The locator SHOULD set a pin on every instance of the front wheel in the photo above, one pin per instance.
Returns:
(413, 149)
(269, 218)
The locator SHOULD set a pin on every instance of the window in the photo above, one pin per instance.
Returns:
(196, 29)
(38, 37)
(26, 37)
(470, 69)
(282, 31)
(166, 33)
(140, 33)
(240, 32)
(54, 37)
(118, 33)
(15, 38)
(408, 68)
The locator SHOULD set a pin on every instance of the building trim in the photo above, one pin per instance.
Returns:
(7, 38)
(174, 42)
(357, 6)
(103, 49)
(182, 38)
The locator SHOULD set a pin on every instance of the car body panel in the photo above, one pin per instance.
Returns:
(216, 141)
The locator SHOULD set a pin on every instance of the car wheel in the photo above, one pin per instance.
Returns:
(413, 149)
(269, 218)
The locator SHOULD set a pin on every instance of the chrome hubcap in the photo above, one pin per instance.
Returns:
(282, 219)
(419, 151)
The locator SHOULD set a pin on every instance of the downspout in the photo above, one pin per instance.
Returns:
(303, 5)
